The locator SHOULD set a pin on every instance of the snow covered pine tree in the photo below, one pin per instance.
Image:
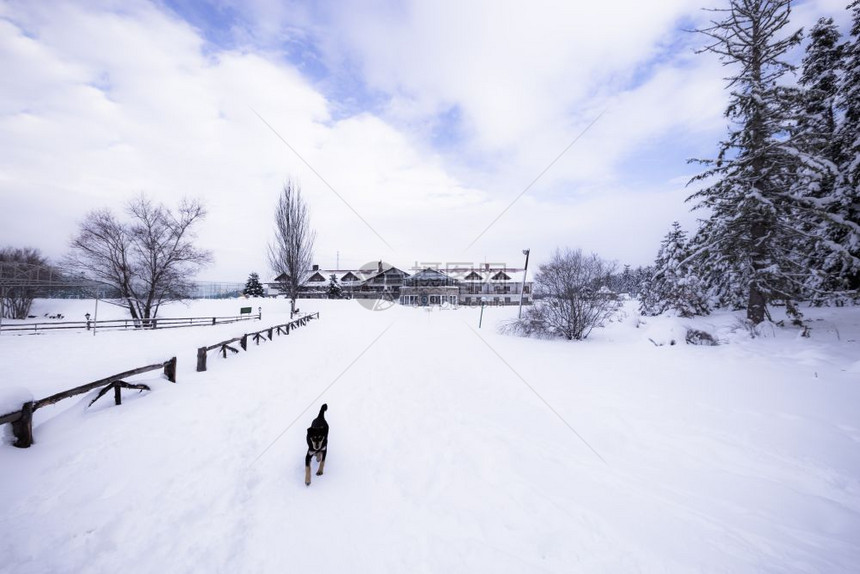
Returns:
(847, 191)
(748, 240)
(674, 285)
(816, 134)
(253, 287)
(334, 289)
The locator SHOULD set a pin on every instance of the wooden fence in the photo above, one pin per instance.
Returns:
(22, 421)
(156, 323)
(256, 337)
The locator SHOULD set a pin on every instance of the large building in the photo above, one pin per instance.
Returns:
(488, 284)
(369, 282)
(493, 285)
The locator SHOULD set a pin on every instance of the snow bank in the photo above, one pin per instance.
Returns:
(452, 448)
(12, 397)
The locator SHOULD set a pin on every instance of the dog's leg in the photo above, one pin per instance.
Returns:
(307, 470)
(322, 463)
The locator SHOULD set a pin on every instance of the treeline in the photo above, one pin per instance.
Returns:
(782, 197)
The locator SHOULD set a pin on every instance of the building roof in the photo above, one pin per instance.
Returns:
(430, 276)
(345, 277)
(491, 275)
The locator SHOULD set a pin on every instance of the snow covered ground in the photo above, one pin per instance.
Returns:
(452, 449)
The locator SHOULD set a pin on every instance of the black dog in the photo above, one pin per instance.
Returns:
(317, 444)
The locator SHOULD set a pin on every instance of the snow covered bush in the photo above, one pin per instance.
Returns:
(697, 337)
(571, 297)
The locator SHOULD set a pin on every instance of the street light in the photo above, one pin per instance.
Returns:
(523, 288)
(481, 319)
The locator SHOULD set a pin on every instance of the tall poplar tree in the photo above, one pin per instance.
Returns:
(291, 251)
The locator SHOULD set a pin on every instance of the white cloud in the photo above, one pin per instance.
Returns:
(103, 101)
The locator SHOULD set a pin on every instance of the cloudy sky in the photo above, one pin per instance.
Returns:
(445, 131)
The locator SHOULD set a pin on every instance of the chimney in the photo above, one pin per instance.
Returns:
(487, 266)
(315, 268)
(379, 267)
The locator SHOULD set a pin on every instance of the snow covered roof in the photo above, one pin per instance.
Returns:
(430, 276)
(355, 277)
(491, 275)
(345, 277)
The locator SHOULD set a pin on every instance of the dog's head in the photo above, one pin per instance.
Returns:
(316, 436)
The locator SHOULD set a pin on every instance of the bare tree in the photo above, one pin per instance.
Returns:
(149, 259)
(20, 270)
(291, 253)
(571, 297)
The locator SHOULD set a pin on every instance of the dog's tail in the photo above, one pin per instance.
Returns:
(323, 409)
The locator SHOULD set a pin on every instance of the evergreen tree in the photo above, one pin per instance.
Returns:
(334, 289)
(627, 285)
(639, 280)
(823, 253)
(846, 196)
(820, 76)
(749, 234)
(253, 287)
(674, 284)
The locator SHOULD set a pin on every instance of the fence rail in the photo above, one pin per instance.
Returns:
(156, 323)
(256, 337)
(22, 421)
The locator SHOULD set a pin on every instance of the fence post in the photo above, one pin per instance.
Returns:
(244, 342)
(23, 427)
(117, 395)
(201, 359)
(170, 368)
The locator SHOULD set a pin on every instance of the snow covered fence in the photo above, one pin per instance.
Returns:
(153, 323)
(224, 346)
(22, 421)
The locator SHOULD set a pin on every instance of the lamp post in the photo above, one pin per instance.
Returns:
(523, 288)
(96, 313)
(481, 319)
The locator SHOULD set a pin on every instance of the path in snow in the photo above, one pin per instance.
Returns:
(443, 459)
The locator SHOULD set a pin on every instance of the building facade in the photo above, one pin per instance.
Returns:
(487, 284)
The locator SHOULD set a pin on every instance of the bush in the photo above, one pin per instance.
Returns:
(571, 297)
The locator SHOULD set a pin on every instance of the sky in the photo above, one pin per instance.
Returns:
(420, 133)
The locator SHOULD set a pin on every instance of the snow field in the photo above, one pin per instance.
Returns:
(737, 458)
